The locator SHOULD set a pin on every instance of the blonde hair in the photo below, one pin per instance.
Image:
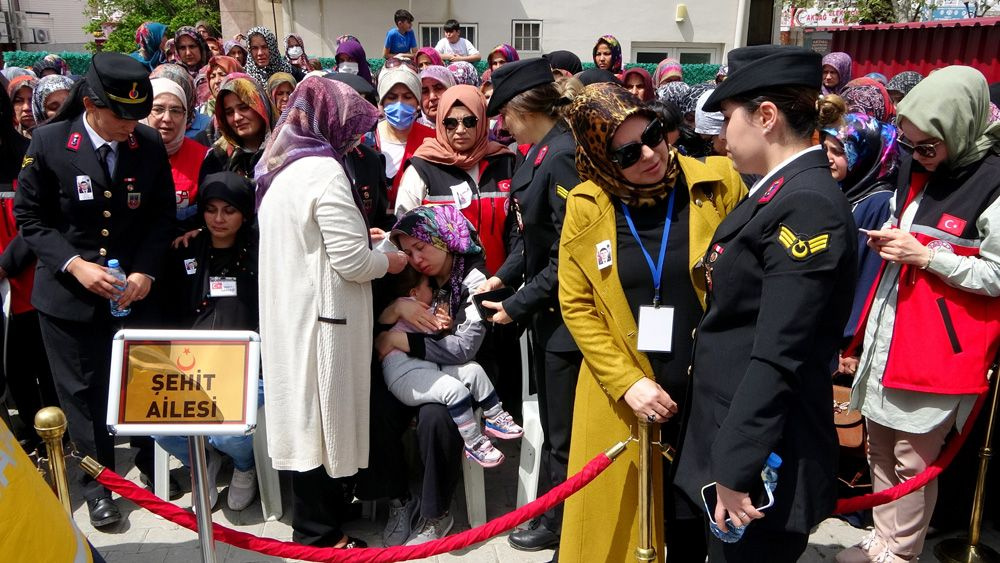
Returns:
(547, 99)
(832, 109)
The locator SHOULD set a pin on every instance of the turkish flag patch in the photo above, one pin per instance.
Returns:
(951, 224)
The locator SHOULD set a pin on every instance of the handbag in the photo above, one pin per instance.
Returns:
(849, 423)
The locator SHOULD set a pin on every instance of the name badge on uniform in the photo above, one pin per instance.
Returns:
(656, 328)
(221, 287)
(603, 254)
(84, 188)
(462, 194)
(191, 266)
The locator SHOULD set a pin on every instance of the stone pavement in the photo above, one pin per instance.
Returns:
(144, 538)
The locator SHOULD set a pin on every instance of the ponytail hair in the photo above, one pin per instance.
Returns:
(832, 109)
(547, 99)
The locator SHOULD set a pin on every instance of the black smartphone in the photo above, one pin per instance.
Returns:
(496, 296)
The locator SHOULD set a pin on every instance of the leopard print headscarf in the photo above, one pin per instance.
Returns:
(594, 116)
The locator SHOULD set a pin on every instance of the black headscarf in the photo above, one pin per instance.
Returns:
(596, 75)
(564, 60)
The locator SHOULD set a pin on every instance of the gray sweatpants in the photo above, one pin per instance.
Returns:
(415, 381)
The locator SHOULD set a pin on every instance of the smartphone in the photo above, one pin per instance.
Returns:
(495, 296)
(708, 496)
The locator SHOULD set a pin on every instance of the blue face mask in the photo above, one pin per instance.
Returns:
(399, 115)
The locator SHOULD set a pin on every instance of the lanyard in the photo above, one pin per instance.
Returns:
(656, 270)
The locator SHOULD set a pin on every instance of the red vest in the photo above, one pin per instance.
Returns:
(185, 165)
(21, 284)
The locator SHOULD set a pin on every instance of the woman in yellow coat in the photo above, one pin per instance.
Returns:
(630, 257)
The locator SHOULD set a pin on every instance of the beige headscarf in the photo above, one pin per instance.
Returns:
(167, 86)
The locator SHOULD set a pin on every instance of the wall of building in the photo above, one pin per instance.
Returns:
(66, 19)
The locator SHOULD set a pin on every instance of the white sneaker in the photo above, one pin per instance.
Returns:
(214, 466)
(242, 489)
(400, 521)
(430, 529)
(865, 551)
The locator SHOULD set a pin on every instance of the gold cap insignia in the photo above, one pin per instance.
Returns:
(133, 96)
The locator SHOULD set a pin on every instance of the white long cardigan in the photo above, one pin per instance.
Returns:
(316, 319)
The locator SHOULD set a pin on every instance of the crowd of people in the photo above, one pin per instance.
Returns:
(686, 255)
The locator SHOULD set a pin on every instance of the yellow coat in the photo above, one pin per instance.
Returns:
(601, 521)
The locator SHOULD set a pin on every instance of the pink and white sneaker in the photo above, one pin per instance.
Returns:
(503, 427)
(484, 453)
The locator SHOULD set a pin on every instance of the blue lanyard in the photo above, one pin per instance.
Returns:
(656, 270)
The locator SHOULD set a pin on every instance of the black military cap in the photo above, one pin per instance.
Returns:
(513, 78)
(122, 83)
(564, 60)
(760, 66)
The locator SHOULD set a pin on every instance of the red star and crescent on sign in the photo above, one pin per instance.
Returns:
(181, 366)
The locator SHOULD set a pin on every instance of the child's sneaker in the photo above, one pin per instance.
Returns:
(484, 453)
(502, 426)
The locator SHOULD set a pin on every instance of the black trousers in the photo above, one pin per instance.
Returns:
(80, 358)
(28, 374)
(556, 393)
(758, 545)
(317, 507)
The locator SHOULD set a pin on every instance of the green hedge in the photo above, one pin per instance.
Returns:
(78, 62)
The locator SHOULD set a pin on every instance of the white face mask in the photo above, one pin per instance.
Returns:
(294, 52)
(348, 67)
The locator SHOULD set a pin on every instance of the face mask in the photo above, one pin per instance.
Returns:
(294, 52)
(399, 115)
(348, 67)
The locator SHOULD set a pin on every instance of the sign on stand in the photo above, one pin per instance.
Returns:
(192, 383)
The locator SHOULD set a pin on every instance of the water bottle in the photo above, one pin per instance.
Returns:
(770, 477)
(116, 270)
(441, 303)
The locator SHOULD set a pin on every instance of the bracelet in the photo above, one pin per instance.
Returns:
(931, 253)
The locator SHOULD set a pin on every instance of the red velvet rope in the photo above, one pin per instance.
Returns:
(290, 550)
(864, 502)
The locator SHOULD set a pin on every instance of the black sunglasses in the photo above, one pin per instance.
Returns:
(451, 123)
(926, 150)
(630, 153)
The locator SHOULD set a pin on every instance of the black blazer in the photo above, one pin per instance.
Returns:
(783, 268)
(538, 192)
(130, 217)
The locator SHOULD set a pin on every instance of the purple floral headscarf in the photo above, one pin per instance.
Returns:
(871, 150)
(842, 63)
(323, 118)
(438, 74)
(464, 73)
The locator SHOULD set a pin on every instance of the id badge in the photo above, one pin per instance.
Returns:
(221, 287)
(84, 188)
(656, 328)
(462, 194)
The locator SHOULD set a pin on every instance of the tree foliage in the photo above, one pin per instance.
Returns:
(127, 15)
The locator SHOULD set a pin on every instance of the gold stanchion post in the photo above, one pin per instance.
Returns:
(969, 550)
(645, 551)
(50, 424)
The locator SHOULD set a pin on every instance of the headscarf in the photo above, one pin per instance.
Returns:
(202, 47)
(303, 60)
(690, 103)
(486, 78)
(323, 118)
(878, 77)
(149, 36)
(167, 86)
(707, 122)
(953, 104)
(201, 90)
(509, 53)
(438, 150)
(251, 93)
(871, 151)
(354, 49)
(169, 55)
(276, 61)
(616, 52)
(24, 81)
(842, 63)
(566, 62)
(431, 53)
(904, 82)
(722, 73)
(212, 31)
(46, 86)
(400, 75)
(594, 116)
(343, 38)
(54, 62)
(438, 74)
(228, 46)
(865, 95)
(228, 64)
(178, 74)
(667, 68)
(647, 81)
(673, 92)
(276, 80)
(445, 228)
(464, 73)
(595, 75)
(994, 113)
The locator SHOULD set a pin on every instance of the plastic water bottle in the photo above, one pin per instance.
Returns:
(770, 477)
(115, 270)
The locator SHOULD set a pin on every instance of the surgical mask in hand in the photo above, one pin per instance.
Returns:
(348, 67)
(294, 52)
(399, 115)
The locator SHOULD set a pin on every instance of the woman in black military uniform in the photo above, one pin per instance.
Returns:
(127, 213)
(530, 102)
(780, 275)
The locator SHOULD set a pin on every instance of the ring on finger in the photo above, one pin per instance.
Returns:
(651, 417)
(744, 516)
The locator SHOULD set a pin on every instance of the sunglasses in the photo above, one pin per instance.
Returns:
(926, 150)
(630, 153)
(451, 123)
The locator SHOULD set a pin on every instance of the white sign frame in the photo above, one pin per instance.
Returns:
(183, 429)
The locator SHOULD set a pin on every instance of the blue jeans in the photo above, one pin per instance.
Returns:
(240, 448)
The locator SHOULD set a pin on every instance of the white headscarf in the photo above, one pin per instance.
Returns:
(167, 86)
(707, 122)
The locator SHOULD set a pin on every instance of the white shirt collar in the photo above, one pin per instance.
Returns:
(96, 139)
(767, 177)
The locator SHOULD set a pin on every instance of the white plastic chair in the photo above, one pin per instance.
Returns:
(531, 442)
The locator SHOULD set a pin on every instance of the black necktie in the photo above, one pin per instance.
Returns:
(102, 154)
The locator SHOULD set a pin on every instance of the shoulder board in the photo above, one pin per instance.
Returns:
(772, 190)
(28, 161)
(541, 155)
(562, 192)
(73, 143)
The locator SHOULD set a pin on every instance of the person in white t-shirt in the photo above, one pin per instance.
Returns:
(453, 47)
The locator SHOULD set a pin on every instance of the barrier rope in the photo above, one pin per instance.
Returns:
(944, 459)
(276, 548)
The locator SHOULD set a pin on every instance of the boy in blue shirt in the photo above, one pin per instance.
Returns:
(401, 38)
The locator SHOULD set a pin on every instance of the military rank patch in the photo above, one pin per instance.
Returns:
(562, 192)
(802, 247)
(28, 161)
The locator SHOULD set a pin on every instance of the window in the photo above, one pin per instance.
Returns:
(686, 53)
(431, 33)
(526, 35)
